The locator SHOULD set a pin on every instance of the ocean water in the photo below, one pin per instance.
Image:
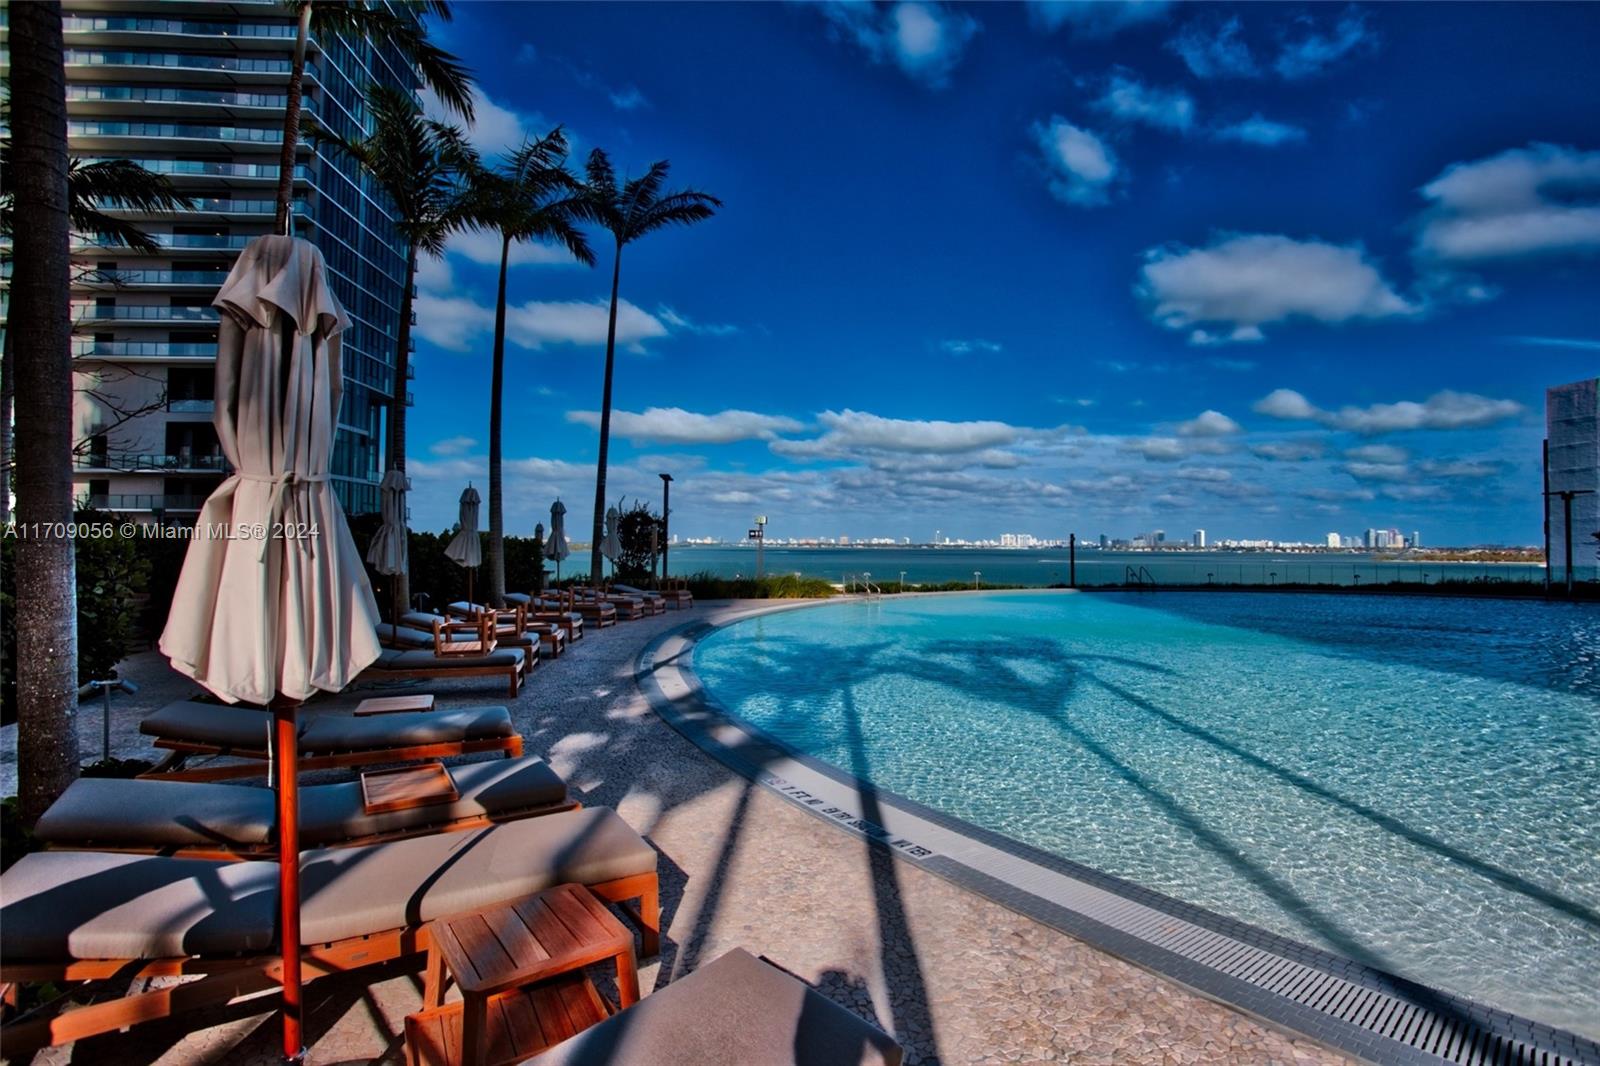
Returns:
(1411, 782)
(1049, 566)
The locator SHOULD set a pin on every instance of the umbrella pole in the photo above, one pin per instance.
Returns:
(288, 788)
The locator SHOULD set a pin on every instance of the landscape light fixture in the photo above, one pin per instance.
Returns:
(666, 512)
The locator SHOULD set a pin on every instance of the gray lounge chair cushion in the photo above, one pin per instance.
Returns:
(406, 636)
(58, 905)
(736, 1010)
(393, 659)
(159, 814)
(214, 724)
(329, 733)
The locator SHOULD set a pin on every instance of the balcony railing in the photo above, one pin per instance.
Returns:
(123, 463)
(97, 349)
(146, 313)
(214, 241)
(190, 168)
(120, 23)
(81, 57)
(152, 94)
(206, 278)
(173, 130)
(191, 406)
(141, 501)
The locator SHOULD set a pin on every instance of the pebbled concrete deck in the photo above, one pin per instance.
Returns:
(957, 978)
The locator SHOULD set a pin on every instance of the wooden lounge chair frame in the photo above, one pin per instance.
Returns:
(517, 622)
(228, 979)
(172, 768)
(513, 676)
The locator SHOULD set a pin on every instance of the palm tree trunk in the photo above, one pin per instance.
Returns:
(495, 595)
(8, 393)
(47, 647)
(291, 122)
(397, 411)
(605, 427)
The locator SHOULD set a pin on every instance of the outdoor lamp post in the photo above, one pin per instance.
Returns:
(902, 581)
(976, 574)
(666, 520)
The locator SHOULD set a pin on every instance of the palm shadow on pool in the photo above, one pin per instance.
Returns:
(1045, 689)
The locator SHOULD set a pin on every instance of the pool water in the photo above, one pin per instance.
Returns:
(1411, 782)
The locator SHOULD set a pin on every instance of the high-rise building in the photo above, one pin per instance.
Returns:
(1105, 541)
(1371, 538)
(1199, 538)
(197, 93)
(1572, 428)
(1416, 539)
(1334, 541)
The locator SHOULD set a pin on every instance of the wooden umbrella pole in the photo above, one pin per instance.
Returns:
(285, 743)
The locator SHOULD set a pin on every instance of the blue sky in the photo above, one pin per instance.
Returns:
(1270, 270)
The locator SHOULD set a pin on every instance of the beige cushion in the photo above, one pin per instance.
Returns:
(218, 725)
(393, 659)
(330, 733)
(737, 1010)
(56, 905)
(160, 814)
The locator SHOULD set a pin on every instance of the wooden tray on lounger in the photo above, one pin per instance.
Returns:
(383, 791)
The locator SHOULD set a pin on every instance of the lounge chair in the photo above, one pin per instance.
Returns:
(737, 1009)
(326, 740)
(510, 624)
(677, 593)
(594, 611)
(71, 916)
(415, 632)
(549, 612)
(238, 821)
(628, 608)
(509, 663)
(654, 602)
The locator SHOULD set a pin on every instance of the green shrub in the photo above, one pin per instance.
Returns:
(708, 586)
(113, 573)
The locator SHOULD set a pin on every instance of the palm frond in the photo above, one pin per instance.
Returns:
(441, 71)
(112, 231)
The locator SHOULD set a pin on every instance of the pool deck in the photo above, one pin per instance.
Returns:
(956, 977)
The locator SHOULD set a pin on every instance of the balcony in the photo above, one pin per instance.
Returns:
(98, 25)
(143, 351)
(133, 314)
(84, 62)
(184, 279)
(103, 133)
(179, 169)
(154, 501)
(191, 406)
(164, 464)
(154, 99)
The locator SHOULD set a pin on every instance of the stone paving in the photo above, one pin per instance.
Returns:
(956, 978)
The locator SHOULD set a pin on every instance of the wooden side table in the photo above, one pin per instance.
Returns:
(394, 704)
(508, 948)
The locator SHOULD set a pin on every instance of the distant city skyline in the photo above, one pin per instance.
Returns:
(1045, 274)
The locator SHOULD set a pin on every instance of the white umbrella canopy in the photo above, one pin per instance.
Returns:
(465, 548)
(390, 550)
(282, 606)
(610, 545)
(556, 547)
(275, 604)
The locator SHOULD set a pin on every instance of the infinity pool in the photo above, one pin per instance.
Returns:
(1411, 782)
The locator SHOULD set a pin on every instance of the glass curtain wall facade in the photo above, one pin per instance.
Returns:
(196, 91)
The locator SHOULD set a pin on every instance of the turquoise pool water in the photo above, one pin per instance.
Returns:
(1411, 782)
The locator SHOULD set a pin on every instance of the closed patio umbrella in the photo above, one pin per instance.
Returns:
(465, 549)
(557, 547)
(389, 552)
(281, 606)
(611, 546)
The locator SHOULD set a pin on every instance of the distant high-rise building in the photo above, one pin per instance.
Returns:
(1199, 538)
(844, 538)
(1105, 541)
(1371, 539)
(1416, 539)
(1334, 541)
(1159, 537)
(1572, 428)
(196, 92)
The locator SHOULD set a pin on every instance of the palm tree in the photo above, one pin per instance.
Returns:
(115, 183)
(629, 211)
(423, 166)
(398, 23)
(529, 197)
(47, 647)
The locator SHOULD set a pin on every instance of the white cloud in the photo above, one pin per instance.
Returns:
(1260, 130)
(538, 322)
(850, 431)
(1245, 282)
(1378, 453)
(495, 128)
(1378, 471)
(1288, 451)
(1540, 200)
(1158, 449)
(1213, 474)
(1215, 50)
(453, 446)
(1461, 468)
(483, 246)
(1581, 344)
(434, 274)
(1313, 51)
(1208, 424)
(1095, 18)
(674, 425)
(968, 347)
(452, 322)
(925, 40)
(1442, 410)
(1081, 167)
(628, 99)
(1133, 101)
(686, 324)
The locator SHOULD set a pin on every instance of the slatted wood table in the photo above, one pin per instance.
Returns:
(497, 957)
(394, 704)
